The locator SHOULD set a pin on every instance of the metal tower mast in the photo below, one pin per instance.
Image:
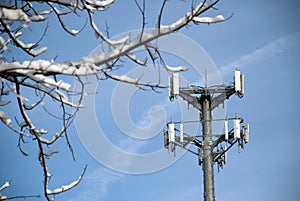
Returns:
(210, 147)
(208, 169)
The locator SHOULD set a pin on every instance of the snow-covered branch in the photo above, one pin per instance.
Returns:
(3, 197)
(67, 187)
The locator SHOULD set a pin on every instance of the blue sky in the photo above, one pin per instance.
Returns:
(261, 39)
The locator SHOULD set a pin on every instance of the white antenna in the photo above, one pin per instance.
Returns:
(226, 129)
(236, 128)
(239, 83)
(174, 85)
(171, 132)
(237, 80)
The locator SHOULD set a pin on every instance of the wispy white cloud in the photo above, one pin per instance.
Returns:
(145, 128)
(131, 145)
(268, 51)
(94, 186)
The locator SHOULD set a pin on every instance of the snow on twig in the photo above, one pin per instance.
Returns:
(67, 187)
(49, 67)
(18, 15)
(4, 118)
(176, 69)
(49, 81)
(123, 78)
(97, 3)
(209, 20)
(7, 121)
(5, 185)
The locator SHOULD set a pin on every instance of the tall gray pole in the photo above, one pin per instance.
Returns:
(208, 169)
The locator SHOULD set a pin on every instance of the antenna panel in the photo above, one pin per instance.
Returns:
(237, 80)
(171, 131)
(175, 84)
(236, 128)
(226, 129)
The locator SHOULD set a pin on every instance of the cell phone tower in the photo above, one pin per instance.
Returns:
(209, 147)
